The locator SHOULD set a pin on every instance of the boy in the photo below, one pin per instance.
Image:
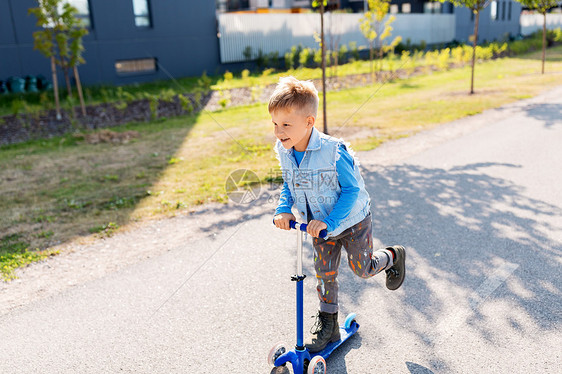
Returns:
(323, 180)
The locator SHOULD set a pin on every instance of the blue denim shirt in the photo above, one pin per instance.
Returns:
(316, 181)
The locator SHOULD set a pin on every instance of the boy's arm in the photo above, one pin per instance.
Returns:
(286, 201)
(349, 189)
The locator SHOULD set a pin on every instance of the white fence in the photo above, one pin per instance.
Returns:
(279, 32)
(533, 22)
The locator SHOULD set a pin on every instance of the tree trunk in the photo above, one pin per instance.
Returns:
(543, 41)
(323, 67)
(474, 42)
(79, 89)
(55, 87)
(371, 53)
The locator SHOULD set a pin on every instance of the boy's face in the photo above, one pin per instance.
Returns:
(292, 128)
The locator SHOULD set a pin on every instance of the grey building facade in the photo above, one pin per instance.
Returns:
(129, 40)
(145, 40)
(498, 20)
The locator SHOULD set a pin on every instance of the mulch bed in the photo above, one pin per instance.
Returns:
(23, 127)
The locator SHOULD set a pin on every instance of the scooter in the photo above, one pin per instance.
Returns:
(302, 360)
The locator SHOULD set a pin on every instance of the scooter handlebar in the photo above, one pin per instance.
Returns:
(302, 226)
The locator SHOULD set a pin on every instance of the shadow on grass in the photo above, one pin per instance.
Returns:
(98, 187)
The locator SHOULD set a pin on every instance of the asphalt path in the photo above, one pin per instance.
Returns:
(478, 205)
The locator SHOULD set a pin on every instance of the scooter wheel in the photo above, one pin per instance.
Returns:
(277, 350)
(349, 320)
(317, 365)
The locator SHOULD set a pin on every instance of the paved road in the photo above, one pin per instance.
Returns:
(478, 204)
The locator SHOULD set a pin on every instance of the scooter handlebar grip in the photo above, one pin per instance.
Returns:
(302, 227)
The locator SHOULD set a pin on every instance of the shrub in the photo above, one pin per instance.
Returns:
(273, 59)
(305, 57)
(457, 54)
(245, 74)
(342, 54)
(431, 58)
(318, 57)
(289, 64)
(483, 53)
(267, 72)
(262, 60)
(354, 50)
(186, 103)
(228, 76)
(247, 53)
(224, 98)
(443, 59)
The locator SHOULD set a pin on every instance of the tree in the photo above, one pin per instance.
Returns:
(541, 6)
(475, 6)
(60, 40)
(376, 30)
(322, 4)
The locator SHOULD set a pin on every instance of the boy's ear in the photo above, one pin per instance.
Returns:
(310, 120)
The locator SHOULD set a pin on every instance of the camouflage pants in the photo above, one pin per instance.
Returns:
(358, 242)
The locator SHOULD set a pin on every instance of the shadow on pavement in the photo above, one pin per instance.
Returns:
(461, 223)
(545, 113)
(417, 369)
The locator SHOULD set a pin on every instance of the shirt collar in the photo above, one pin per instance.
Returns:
(313, 143)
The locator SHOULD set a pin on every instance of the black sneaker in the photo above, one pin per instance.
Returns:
(325, 330)
(395, 275)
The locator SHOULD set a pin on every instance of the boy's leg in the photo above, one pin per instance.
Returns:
(327, 254)
(359, 246)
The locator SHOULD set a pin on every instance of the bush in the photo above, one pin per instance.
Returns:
(289, 61)
(318, 57)
(443, 59)
(305, 57)
(431, 58)
(247, 53)
(342, 54)
(228, 76)
(262, 60)
(483, 53)
(457, 54)
(354, 50)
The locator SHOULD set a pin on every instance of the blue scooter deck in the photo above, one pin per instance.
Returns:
(331, 347)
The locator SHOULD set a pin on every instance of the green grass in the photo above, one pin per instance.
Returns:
(62, 189)
(14, 253)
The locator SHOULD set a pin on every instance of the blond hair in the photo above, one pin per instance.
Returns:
(291, 94)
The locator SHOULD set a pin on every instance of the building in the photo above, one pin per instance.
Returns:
(497, 21)
(144, 40)
(129, 40)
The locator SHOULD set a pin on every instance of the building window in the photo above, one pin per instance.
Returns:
(142, 13)
(138, 66)
(406, 8)
(471, 15)
(494, 10)
(393, 8)
(503, 11)
(83, 8)
(432, 7)
(509, 11)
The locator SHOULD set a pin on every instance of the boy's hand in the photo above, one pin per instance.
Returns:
(314, 227)
(282, 220)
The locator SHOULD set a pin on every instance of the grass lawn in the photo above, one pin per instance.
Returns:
(56, 190)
